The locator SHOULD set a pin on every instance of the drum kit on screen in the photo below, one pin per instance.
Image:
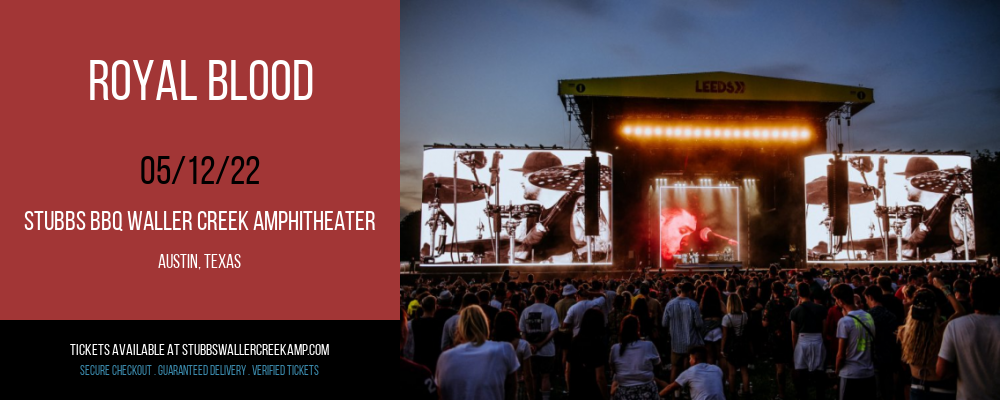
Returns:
(952, 182)
(440, 191)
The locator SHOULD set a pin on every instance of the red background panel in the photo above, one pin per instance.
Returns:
(63, 151)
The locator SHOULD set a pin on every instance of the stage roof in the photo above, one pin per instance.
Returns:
(725, 86)
(709, 95)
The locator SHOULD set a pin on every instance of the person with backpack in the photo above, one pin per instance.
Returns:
(855, 354)
(736, 348)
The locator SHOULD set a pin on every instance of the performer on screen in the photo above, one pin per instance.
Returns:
(676, 224)
(558, 236)
(942, 238)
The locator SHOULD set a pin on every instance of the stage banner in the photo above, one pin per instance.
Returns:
(176, 167)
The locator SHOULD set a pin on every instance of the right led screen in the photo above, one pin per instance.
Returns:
(924, 202)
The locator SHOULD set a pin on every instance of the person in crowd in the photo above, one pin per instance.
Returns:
(920, 339)
(890, 302)
(711, 307)
(970, 347)
(736, 347)
(961, 289)
(641, 311)
(415, 380)
(887, 355)
(587, 359)
(414, 306)
(615, 318)
(539, 324)
(598, 288)
(506, 331)
(484, 303)
(682, 319)
(585, 299)
(655, 306)
(477, 368)
(627, 302)
(564, 335)
(632, 361)
(500, 296)
(450, 330)
(755, 310)
(704, 380)
(426, 334)
(856, 335)
(515, 303)
(779, 332)
(808, 353)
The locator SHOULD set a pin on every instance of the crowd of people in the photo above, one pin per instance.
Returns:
(925, 331)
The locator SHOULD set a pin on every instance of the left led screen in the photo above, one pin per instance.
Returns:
(533, 198)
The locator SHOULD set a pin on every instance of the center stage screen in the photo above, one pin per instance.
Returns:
(540, 209)
(698, 225)
(925, 203)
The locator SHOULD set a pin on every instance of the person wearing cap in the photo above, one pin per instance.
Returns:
(564, 335)
(537, 242)
(945, 238)
(562, 239)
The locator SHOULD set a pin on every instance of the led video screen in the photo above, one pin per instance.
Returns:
(901, 207)
(698, 225)
(533, 198)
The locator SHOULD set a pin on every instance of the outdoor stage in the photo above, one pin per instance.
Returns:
(717, 166)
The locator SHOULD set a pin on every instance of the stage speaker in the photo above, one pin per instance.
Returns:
(829, 190)
(841, 203)
(592, 196)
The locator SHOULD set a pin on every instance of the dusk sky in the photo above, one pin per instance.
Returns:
(486, 71)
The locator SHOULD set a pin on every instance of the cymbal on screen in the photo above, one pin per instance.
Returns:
(567, 178)
(448, 188)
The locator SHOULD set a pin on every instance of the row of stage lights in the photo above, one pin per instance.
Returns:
(790, 134)
(706, 182)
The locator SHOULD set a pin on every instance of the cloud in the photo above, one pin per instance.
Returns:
(625, 52)
(993, 93)
(675, 23)
(590, 8)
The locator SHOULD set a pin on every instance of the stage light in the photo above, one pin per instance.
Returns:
(670, 131)
(687, 132)
(726, 133)
(746, 133)
(627, 130)
(658, 131)
(716, 132)
(784, 134)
